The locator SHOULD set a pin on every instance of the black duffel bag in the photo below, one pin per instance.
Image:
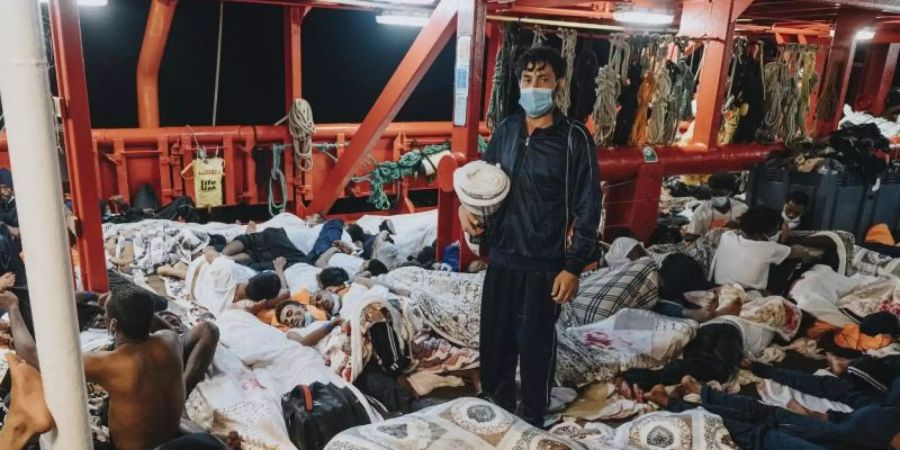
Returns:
(316, 413)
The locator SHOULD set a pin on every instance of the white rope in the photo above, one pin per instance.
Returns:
(608, 86)
(302, 127)
(563, 95)
(539, 37)
(662, 90)
(215, 108)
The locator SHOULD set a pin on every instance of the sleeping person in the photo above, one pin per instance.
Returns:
(216, 282)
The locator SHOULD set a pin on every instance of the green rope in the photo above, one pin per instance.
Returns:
(393, 171)
(276, 173)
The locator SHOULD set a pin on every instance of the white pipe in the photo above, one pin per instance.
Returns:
(25, 93)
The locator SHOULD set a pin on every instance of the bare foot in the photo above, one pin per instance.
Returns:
(251, 227)
(746, 363)
(28, 405)
(691, 385)
(731, 309)
(658, 395)
(234, 441)
(8, 300)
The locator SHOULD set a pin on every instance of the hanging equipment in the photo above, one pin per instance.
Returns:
(730, 111)
(502, 73)
(302, 127)
(564, 93)
(662, 89)
(776, 81)
(276, 175)
(539, 37)
(586, 66)
(809, 79)
(608, 85)
(645, 93)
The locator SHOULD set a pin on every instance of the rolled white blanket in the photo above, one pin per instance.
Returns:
(481, 187)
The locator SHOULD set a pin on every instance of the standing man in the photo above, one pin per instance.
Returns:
(540, 239)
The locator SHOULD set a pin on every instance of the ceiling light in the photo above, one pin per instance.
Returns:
(865, 34)
(402, 18)
(643, 16)
(87, 2)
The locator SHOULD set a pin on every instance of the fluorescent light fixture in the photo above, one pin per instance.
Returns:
(643, 16)
(86, 2)
(865, 34)
(401, 18)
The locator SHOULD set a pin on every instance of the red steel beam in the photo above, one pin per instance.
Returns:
(873, 70)
(65, 27)
(156, 33)
(840, 61)
(714, 21)
(471, 22)
(427, 46)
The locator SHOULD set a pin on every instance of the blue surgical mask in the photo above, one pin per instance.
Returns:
(536, 101)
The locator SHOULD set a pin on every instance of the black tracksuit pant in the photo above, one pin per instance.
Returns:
(518, 325)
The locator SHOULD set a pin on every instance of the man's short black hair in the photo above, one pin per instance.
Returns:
(376, 267)
(798, 198)
(263, 286)
(333, 277)
(356, 232)
(133, 311)
(760, 220)
(541, 55)
(285, 304)
(721, 181)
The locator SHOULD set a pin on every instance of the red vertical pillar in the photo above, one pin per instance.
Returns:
(293, 88)
(467, 104)
(713, 21)
(65, 27)
(840, 64)
(878, 75)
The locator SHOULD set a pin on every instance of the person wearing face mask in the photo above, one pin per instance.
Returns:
(720, 211)
(792, 213)
(745, 257)
(551, 162)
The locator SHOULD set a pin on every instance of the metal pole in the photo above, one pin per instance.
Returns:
(25, 94)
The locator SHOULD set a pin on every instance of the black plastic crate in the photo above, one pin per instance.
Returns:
(767, 186)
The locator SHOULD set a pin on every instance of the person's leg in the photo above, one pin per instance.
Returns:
(828, 387)
(499, 353)
(199, 349)
(178, 270)
(331, 231)
(22, 338)
(28, 413)
(368, 244)
(536, 336)
(279, 245)
(235, 247)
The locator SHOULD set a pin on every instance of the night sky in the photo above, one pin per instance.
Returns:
(347, 60)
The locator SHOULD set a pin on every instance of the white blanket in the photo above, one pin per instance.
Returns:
(414, 231)
(278, 363)
(818, 292)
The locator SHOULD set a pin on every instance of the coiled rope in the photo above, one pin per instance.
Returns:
(277, 175)
(645, 93)
(776, 81)
(730, 112)
(608, 85)
(539, 37)
(392, 171)
(302, 127)
(563, 94)
(809, 79)
(662, 90)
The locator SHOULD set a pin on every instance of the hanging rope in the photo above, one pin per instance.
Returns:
(501, 80)
(608, 85)
(730, 112)
(277, 175)
(682, 92)
(776, 81)
(563, 95)
(790, 131)
(827, 103)
(645, 94)
(809, 79)
(302, 127)
(662, 90)
(215, 108)
(539, 37)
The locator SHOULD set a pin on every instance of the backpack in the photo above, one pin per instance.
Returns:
(316, 413)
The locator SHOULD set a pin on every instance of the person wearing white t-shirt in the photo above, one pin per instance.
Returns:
(744, 257)
(215, 283)
(721, 211)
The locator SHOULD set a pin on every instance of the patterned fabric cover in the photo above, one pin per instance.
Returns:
(604, 292)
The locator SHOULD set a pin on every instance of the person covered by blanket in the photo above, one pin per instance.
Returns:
(756, 426)
(143, 373)
(721, 211)
(715, 352)
(744, 257)
(216, 287)
(859, 380)
(555, 193)
(334, 283)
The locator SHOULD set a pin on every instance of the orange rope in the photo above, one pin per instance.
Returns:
(639, 129)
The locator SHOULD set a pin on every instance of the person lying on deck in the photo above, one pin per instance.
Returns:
(216, 286)
(367, 241)
(755, 426)
(143, 374)
(859, 380)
